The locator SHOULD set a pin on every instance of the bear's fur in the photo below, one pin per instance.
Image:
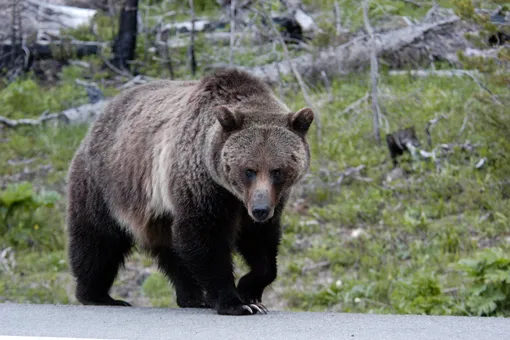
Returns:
(189, 171)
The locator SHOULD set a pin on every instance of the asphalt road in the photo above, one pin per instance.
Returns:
(48, 322)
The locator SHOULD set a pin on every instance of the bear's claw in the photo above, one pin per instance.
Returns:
(247, 308)
(258, 305)
(250, 309)
(259, 308)
(123, 303)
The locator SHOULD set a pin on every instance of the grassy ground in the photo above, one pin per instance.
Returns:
(426, 237)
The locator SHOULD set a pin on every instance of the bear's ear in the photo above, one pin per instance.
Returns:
(301, 120)
(228, 119)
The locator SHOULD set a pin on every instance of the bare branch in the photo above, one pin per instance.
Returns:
(247, 28)
(328, 86)
(315, 266)
(112, 67)
(232, 31)
(28, 122)
(139, 79)
(191, 49)
(374, 75)
(338, 18)
(168, 60)
(353, 172)
(493, 96)
(430, 125)
(354, 105)
(413, 3)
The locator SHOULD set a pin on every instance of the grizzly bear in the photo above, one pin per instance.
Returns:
(188, 171)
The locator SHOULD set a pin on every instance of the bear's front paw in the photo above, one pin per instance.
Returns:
(249, 309)
(251, 298)
(256, 303)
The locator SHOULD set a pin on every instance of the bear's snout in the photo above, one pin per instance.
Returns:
(260, 212)
(260, 206)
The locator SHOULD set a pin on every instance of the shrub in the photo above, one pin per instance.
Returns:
(490, 293)
(19, 207)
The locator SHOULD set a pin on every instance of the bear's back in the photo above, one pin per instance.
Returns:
(141, 100)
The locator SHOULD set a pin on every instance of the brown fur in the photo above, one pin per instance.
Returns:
(163, 155)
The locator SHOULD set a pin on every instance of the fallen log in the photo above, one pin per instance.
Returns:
(39, 33)
(200, 25)
(40, 18)
(40, 50)
(214, 38)
(58, 49)
(437, 73)
(176, 34)
(27, 121)
(439, 39)
(83, 114)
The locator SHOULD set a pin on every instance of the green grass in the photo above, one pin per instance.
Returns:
(416, 229)
(157, 289)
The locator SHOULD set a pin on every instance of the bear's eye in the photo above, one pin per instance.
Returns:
(250, 173)
(277, 176)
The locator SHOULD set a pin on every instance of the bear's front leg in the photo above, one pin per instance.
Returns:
(258, 244)
(204, 245)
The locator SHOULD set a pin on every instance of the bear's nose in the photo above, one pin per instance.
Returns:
(260, 212)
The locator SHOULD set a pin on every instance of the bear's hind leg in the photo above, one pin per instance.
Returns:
(95, 261)
(188, 291)
(97, 244)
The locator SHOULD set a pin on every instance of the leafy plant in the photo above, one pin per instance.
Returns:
(19, 204)
(490, 271)
(420, 295)
(18, 99)
(158, 290)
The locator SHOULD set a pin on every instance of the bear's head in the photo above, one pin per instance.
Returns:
(259, 156)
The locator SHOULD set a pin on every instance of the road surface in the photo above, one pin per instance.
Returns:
(63, 322)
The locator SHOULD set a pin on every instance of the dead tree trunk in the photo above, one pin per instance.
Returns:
(374, 75)
(125, 42)
(14, 32)
(191, 48)
(16, 52)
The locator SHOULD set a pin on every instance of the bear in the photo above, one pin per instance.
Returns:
(189, 172)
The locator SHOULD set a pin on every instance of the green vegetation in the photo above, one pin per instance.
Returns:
(157, 289)
(433, 238)
(20, 218)
(490, 272)
(394, 246)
